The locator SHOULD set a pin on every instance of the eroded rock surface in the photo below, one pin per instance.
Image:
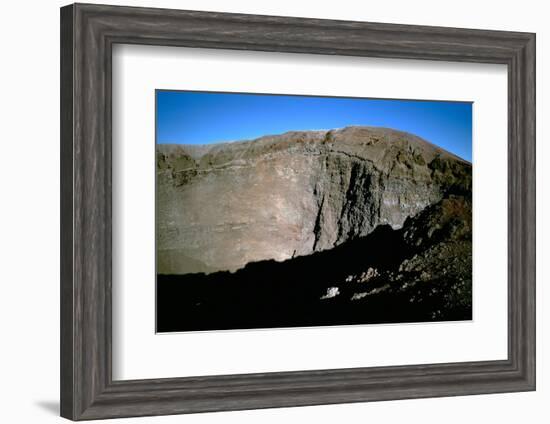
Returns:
(222, 206)
(421, 272)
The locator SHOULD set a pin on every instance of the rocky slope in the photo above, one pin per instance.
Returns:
(222, 206)
(421, 272)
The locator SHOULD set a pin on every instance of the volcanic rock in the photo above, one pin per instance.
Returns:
(278, 197)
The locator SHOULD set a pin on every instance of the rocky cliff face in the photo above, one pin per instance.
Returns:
(421, 272)
(220, 207)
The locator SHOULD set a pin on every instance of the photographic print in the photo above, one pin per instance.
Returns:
(289, 211)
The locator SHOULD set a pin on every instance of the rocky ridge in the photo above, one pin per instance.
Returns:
(222, 206)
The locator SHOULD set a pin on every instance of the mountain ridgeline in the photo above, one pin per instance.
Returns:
(222, 206)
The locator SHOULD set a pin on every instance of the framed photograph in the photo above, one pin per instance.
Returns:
(264, 211)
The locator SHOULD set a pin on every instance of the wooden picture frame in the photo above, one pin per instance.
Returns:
(88, 33)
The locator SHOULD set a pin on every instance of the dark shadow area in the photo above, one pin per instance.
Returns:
(388, 276)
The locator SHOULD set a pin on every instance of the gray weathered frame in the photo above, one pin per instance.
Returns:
(88, 33)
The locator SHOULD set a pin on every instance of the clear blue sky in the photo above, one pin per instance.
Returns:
(186, 117)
